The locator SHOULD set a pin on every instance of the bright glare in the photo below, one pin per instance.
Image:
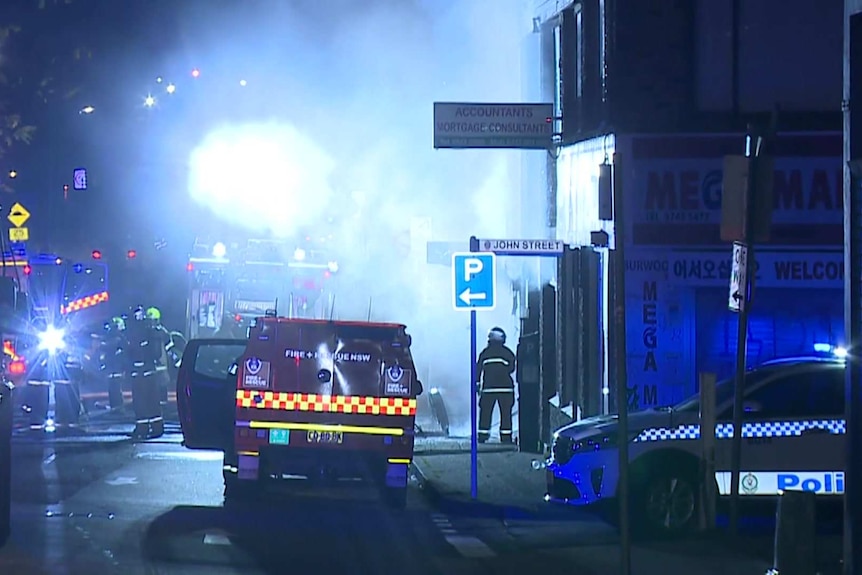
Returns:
(88, 110)
(149, 101)
(13, 174)
(159, 80)
(265, 177)
(196, 73)
(171, 89)
(840, 352)
(299, 254)
(219, 250)
(52, 340)
(243, 83)
(333, 267)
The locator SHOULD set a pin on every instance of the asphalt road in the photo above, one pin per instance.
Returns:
(103, 504)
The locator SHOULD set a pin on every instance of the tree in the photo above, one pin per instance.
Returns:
(39, 65)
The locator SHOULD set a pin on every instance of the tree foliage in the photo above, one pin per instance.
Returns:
(38, 67)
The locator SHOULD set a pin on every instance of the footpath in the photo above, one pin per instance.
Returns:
(531, 532)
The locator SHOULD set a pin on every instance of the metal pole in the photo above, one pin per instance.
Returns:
(853, 393)
(752, 148)
(474, 397)
(619, 295)
(474, 440)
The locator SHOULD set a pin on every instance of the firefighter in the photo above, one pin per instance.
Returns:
(162, 338)
(144, 355)
(37, 394)
(67, 383)
(494, 368)
(113, 350)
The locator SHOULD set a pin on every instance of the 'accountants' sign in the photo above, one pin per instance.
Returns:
(521, 126)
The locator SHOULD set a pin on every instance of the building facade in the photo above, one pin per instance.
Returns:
(669, 88)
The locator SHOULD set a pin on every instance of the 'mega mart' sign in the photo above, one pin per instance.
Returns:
(675, 190)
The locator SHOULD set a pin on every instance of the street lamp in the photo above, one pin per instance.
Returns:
(243, 83)
(87, 110)
(196, 73)
(149, 101)
(13, 174)
(170, 89)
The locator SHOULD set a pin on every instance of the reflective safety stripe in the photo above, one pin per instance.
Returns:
(326, 403)
(397, 431)
(150, 420)
(38, 382)
(499, 390)
(509, 432)
(760, 429)
(495, 360)
(161, 368)
(84, 302)
(395, 460)
(138, 364)
(484, 431)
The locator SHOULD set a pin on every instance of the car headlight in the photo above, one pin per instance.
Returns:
(52, 340)
(564, 447)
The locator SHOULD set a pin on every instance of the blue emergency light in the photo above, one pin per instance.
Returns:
(829, 349)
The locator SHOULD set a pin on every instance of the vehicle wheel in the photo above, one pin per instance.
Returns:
(668, 502)
(395, 497)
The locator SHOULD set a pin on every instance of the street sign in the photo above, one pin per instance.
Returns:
(738, 279)
(523, 247)
(18, 215)
(79, 179)
(474, 280)
(519, 126)
(19, 234)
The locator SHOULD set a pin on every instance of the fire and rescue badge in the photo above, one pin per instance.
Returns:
(256, 374)
(397, 381)
(749, 483)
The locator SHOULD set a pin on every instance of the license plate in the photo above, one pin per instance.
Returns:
(325, 436)
(279, 436)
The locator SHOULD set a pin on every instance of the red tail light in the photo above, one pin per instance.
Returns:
(190, 267)
(237, 317)
(17, 368)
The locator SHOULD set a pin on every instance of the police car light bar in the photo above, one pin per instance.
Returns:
(828, 348)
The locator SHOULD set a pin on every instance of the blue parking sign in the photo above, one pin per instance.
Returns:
(474, 280)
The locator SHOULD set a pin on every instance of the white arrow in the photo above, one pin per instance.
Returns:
(468, 297)
(122, 481)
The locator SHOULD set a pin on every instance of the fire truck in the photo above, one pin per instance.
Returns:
(229, 284)
(51, 291)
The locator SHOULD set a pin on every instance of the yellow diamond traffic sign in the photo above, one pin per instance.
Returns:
(19, 234)
(18, 215)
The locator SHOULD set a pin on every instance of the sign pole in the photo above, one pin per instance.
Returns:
(474, 408)
(746, 286)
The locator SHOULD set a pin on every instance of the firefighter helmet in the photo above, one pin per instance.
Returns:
(154, 314)
(497, 335)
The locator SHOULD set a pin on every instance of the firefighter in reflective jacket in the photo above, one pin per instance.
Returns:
(144, 353)
(113, 346)
(495, 367)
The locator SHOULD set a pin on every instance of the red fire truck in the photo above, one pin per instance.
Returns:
(301, 397)
(231, 283)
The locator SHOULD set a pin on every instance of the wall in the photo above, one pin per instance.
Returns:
(577, 190)
(678, 268)
(777, 40)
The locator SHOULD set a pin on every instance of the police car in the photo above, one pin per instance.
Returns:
(793, 438)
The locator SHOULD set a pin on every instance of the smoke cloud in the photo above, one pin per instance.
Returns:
(340, 126)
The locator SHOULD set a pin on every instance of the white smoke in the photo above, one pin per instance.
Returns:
(342, 101)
